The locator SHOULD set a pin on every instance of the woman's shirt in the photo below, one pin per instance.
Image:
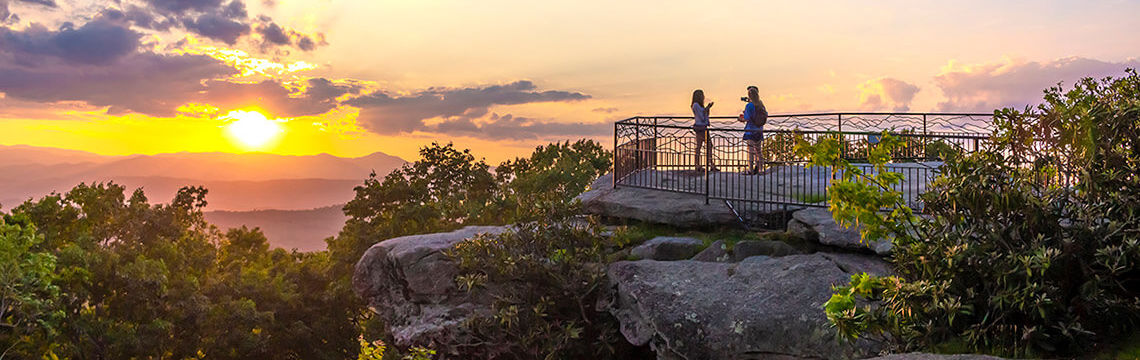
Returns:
(700, 116)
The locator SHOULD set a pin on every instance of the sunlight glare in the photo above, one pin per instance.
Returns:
(251, 128)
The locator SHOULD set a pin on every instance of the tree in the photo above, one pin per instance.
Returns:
(137, 280)
(1029, 248)
(548, 181)
(27, 292)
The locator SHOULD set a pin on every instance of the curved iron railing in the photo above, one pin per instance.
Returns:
(659, 152)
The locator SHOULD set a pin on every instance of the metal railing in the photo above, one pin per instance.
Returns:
(659, 152)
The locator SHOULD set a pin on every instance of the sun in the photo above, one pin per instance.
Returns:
(252, 129)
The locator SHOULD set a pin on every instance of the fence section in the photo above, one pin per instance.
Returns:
(665, 153)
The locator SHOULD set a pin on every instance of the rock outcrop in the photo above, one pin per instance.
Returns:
(817, 224)
(716, 252)
(668, 248)
(655, 206)
(749, 248)
(410, 284)
(761, 308)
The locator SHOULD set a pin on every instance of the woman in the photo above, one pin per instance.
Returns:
(701, 125)
(754, 117)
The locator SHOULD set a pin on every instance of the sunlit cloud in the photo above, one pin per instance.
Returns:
(245, 64)
(886, 93)
(1016, 83)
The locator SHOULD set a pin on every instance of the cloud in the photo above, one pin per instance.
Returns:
(387, 114)
(886, 93)
(607, 110)
(319, 96)
(509, 127)
(273, 34)
(985, 87)
(227, 22)
(6, 14)
(100, 63)
(217, 27)
(97, 42)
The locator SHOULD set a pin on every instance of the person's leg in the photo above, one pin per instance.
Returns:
(752, 158)
(700, 137)
(760, 161)
(709, 151)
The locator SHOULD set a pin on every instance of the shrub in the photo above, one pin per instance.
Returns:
(1030, 248)
(546, 278)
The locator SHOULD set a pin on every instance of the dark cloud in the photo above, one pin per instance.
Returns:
(273, 34)
(180, 7)
(386, 114)
(607, 110)
(98, 42)
(227, 22)
(146, 83)
(508, 127)
(217, 27)
(886, 93)
(987, 87)
(100, 63)
(318, 97)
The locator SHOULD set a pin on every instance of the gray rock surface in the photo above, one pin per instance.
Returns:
(749, 248)
(925, 356)
(716, 252)
(668, 248)
(655, 206)
(817, 224)
(763, 308)
(410, 284)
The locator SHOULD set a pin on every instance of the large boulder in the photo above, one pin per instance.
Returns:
(762, 309)
(655, 206)
(749, 248)
(410, 284)
(668, 248)
(715, 252)
(817, 224)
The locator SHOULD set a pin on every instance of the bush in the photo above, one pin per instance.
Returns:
(1031, 247)
(546, 278)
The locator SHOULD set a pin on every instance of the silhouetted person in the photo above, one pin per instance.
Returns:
(701, 127)
(754, 117)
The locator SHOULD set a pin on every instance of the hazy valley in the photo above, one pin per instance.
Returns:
(295, 200)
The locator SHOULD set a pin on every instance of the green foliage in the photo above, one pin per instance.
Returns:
(135, 280)
(546, 183)
(545, 279)
(27, 292)
(1031, 247)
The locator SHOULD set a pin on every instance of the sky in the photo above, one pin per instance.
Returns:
(352, 77)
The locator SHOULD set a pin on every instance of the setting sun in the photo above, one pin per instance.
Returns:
(252, 129)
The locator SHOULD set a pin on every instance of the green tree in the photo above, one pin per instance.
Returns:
(548, 181)
(138, 280)
(27, 292)
(1029, 248)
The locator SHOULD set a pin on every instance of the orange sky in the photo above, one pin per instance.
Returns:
(351, 77)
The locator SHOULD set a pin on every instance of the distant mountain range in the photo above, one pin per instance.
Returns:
(304, 230)
(236, 182)
(296, 200)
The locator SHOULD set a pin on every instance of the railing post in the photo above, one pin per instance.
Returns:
(708, 160)
(925, 138)
(614, 170)
(656, 138)
(637, 155)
